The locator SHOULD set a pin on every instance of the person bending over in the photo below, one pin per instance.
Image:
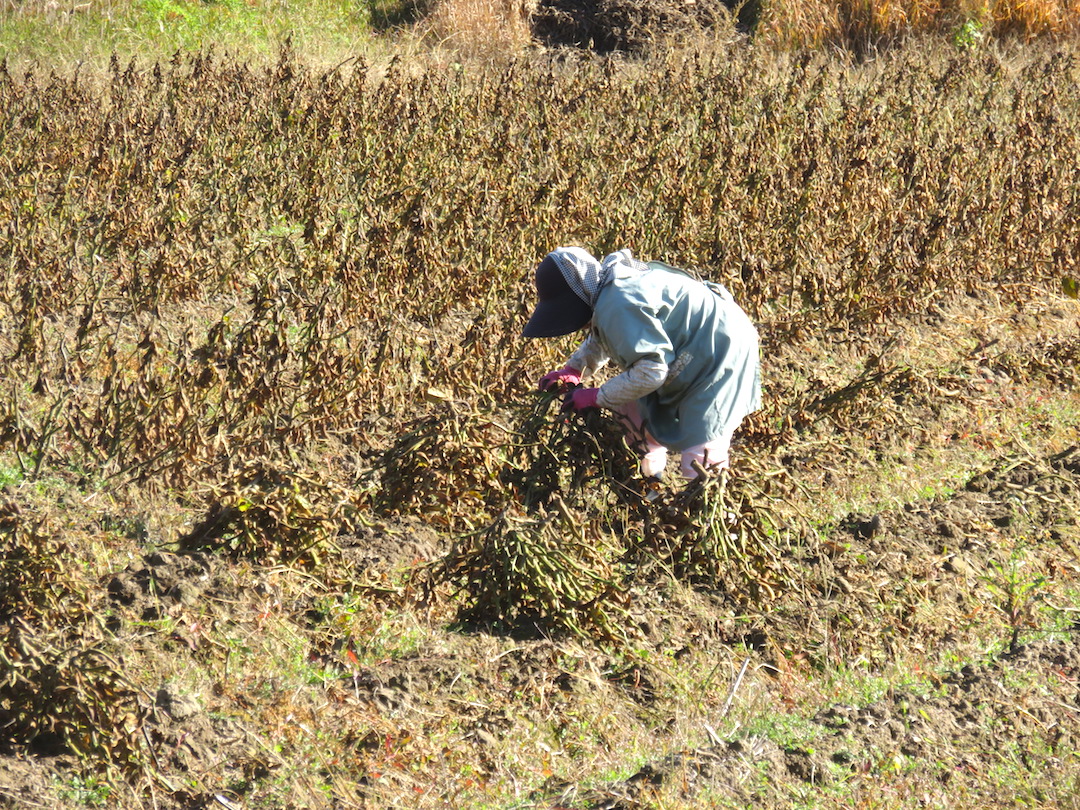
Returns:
(689, 355)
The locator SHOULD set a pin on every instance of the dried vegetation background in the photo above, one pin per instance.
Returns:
(284, 525)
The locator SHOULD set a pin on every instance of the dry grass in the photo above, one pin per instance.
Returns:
(329, 32)
(866, 25)
(479, 29)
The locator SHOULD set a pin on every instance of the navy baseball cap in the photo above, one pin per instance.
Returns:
(560, 310)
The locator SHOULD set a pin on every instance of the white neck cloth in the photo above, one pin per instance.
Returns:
(585, 275)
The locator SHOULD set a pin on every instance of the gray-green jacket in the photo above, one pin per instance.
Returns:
(693, 334)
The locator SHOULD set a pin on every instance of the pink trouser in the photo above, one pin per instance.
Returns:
(712, 454)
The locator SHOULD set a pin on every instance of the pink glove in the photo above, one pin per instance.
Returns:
(562, 380)
(581, 399)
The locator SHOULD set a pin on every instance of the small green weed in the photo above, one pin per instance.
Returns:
(89, 791)
(786, 730)
(10, 474)
(1016, 593)
(969, 35)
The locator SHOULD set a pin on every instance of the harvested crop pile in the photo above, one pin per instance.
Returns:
(623, 25)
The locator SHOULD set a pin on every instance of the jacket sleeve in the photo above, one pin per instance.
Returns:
(589, 357)
(642, 378)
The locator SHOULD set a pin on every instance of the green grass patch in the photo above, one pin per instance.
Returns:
(51, 35)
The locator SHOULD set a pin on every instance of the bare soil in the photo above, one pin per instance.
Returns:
(927, 740)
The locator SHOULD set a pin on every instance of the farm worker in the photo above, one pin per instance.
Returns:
(688, 353)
